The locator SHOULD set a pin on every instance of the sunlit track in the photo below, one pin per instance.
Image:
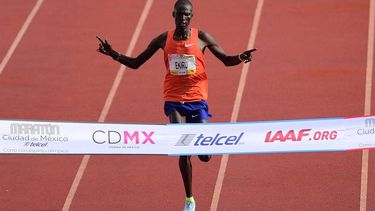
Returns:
(294, 81)
(367, 103)
(122, 68)
(20, 35)
(237, 104)
(108, 103)
(311, 62)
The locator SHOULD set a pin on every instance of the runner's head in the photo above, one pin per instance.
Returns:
(182, 13)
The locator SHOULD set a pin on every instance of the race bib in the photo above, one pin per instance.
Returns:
(182, 64)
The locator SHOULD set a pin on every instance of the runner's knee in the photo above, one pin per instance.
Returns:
(204, 158)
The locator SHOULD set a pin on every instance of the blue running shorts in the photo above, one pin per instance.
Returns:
(193, 111)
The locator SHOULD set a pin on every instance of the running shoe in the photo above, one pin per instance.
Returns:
(189, 206)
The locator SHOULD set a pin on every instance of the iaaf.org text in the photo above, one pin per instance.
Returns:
(300, 135)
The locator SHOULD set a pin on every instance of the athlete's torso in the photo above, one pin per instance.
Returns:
(185, 79)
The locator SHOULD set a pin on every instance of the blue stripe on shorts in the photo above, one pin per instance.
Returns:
(193, 111)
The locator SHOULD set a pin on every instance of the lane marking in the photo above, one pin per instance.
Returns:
(122, 69)
(76, 181)
(370, 58)
(364, 180)
(367, 109)
(20, 35)
(236, 106)
(108, 103)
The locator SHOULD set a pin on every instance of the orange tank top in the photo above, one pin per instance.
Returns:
(185, 79)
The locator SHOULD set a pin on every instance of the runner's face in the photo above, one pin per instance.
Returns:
(182, 16)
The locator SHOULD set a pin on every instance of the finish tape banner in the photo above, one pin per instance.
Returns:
(313, 135)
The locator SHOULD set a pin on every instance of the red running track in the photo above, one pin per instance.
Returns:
(311, 63)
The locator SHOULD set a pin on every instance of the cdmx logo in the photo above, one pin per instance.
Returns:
(204, 140)
(125, 137)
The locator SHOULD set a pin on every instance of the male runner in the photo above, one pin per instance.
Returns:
(185, 85)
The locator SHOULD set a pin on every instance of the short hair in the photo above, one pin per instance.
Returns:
(182, 2)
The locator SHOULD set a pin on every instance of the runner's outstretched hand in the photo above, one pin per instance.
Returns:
(106, 48)
(246, 56)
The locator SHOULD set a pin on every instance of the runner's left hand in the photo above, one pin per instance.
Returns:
(105, 47)
(246, 56)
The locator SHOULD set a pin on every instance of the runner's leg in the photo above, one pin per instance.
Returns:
(184, 161)
(186, 173)
(204, 158)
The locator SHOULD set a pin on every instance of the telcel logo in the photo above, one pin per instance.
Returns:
(114, 137)
(203, 140)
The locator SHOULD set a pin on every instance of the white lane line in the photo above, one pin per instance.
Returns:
(367, 109)
(370, 58)
(20, 34)
(121, 71)
(108, 103)
(364, 180)
(76, 181)
(236, 106)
